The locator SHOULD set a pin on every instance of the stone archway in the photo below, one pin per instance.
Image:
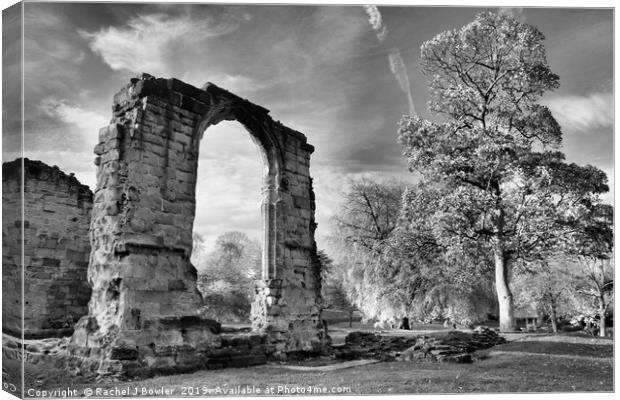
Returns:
(143, 310)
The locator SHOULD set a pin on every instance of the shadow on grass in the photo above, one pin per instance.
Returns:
(558, 347)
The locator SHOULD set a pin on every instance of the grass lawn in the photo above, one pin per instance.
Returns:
(340, 330)
(529, 363)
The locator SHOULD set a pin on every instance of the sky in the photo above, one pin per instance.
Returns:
(342, 75)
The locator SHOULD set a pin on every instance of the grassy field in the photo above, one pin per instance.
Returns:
(528, 363)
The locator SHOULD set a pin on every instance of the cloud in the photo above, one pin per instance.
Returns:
(583, 113)
(339, 36)
(237, 83)
(376, 21)
(11, 82)
(152, 42)
(55, 59)
(50, 45)
(87, 122)
(397, 65)
(228, 190)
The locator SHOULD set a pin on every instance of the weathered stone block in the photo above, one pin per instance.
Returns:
(124, 353)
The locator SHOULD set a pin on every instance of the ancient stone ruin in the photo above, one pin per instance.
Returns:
(451, 346)
(143, 315)
(56, 249)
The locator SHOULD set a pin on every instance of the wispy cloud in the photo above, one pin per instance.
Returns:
(11, 84)
(376, 21)
(54, 58)
(86, 122)
(397, 65)
(582, 113)
(150, 42)
(237, 83)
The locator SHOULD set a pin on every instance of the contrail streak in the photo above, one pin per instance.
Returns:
(397, 65)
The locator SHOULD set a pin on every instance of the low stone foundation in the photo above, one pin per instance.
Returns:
(228, 350)
(453, 346)
(165, 346)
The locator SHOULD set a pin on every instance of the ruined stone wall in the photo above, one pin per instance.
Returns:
(11, 250)
(144, 308)
(56, 249)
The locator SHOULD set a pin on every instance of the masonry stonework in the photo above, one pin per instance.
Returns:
(143, 314)
(56, 249)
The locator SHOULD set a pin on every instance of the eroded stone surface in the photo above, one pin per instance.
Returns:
(143, 314)
(56, 220)
(453, 346)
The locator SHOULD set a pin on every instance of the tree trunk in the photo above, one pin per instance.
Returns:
(601, 313)
(504, 296)
(350, 318)
(554, 319)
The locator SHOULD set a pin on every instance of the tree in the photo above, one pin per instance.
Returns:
(452, 281)
(391, 265)
(227, 275)
(494, 154)
(367, 216)
(369, 213)
(333, 292)
(577, 277)
(550, 287)
(595, 288)
(592, 245)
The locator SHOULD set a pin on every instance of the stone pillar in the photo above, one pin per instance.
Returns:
(288, 302)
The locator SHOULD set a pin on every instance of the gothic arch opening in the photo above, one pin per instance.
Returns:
(228, 246)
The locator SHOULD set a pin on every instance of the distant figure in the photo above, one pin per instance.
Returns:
(404, 324)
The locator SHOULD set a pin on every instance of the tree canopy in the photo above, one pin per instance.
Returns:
(226, 277)
(390, 264)
(492, 149)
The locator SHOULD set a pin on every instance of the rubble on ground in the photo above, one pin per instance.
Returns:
(453, 346)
